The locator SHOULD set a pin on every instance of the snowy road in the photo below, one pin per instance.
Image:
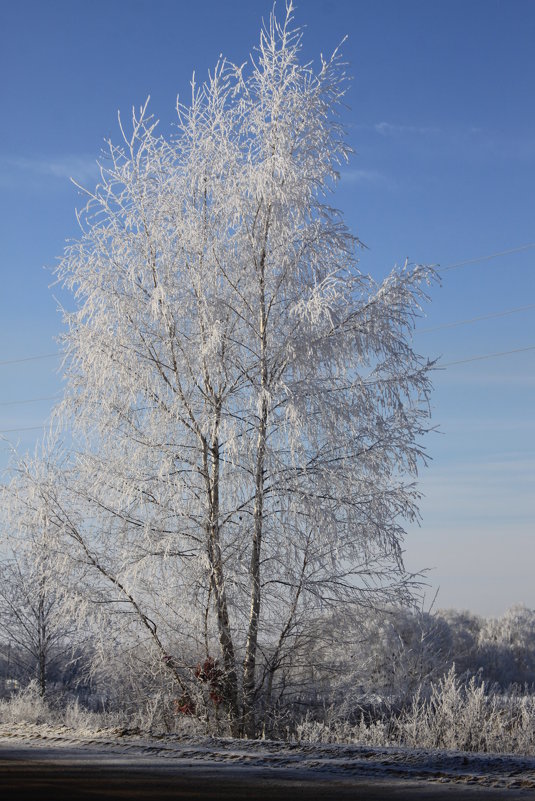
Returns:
(56, 765)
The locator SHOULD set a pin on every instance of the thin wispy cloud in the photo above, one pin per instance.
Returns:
(392, 129)
(481, 142)
(396, 129)
(366, 177)
(80, 167)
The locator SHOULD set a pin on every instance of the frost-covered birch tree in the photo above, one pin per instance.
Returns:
(31, 627)
(245, 404)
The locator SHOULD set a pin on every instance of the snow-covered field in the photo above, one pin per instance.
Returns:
(513, 775)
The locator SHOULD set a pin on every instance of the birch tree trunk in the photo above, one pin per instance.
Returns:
(42, 640)
(218, 579)
(249, 671)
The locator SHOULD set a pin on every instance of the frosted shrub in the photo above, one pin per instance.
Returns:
(524, 731)
(313, 731)
(159, 713)
(80, 719)
(150, 714)
(26, 706)
(377, 732)
(456, 715)
(470, 718)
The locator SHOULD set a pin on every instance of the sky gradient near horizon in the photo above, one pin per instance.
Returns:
(442, 120)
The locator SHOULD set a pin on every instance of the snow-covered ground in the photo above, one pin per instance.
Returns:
(508, 773)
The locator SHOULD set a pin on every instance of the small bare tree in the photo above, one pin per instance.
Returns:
(32, 624)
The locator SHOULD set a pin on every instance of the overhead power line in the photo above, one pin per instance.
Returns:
(504, 313)
(22, 428)
(445, 364)
(31, 358)
(487, 258)
(29, 400)
(476, 319)
(488, 356)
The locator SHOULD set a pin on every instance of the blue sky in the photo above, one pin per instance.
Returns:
(442, 120)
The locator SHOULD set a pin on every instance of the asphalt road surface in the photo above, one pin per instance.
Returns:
(48, 773)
